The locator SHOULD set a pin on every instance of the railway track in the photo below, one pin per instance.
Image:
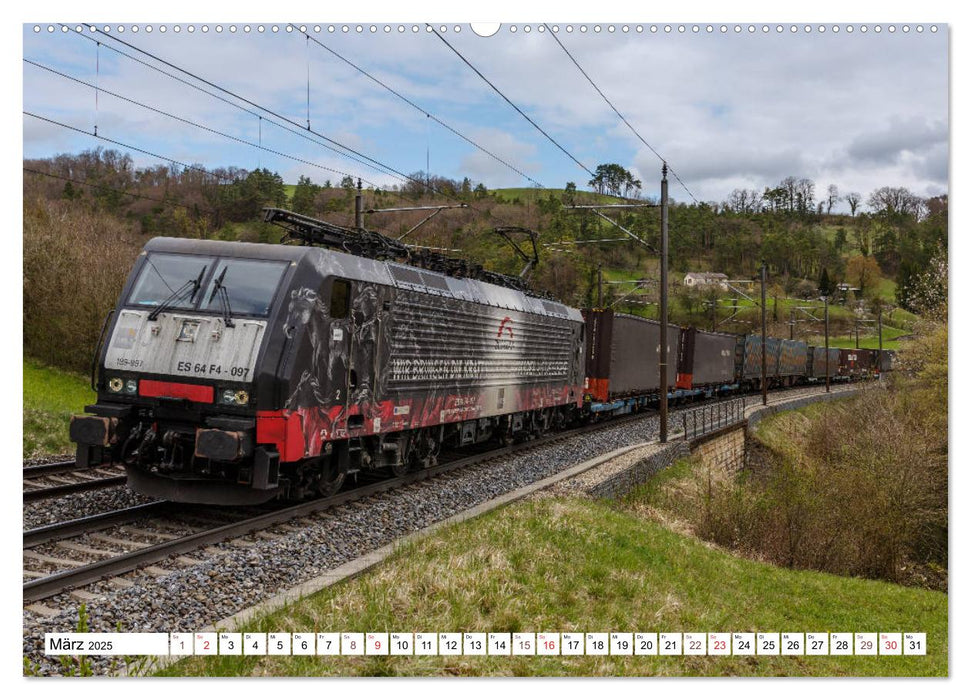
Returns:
(223, 523)
(62, 478)
(178, 530)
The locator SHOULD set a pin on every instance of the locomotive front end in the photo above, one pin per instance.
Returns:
(183, 371)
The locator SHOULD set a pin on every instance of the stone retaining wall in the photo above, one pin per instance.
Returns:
(622, 482)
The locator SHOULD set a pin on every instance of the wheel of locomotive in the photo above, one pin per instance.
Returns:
(405, 464)
(331, 477)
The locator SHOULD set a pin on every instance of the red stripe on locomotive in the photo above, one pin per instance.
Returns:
(176, 390)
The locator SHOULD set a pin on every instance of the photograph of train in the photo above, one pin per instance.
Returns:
(237, 373)
(525, 350)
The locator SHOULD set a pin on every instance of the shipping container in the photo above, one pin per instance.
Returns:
(752, 359)
(817, 368)
(853, 362)
(706, 358)
(792, 358)
(622, 355)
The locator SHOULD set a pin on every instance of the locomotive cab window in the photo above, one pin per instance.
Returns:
(340, 299)
(245, 287)
(173, 280)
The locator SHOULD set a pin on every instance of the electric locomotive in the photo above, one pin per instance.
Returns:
(235, 373)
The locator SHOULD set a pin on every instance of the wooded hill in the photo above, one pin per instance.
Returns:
(86, 216)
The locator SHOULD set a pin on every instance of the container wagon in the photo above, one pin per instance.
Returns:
(792, 361)
(622, 360)
(816, 363)
(707, 362)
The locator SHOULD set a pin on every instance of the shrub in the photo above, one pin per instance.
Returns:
(75, 265)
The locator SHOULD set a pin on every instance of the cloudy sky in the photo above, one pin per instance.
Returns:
(859, 110)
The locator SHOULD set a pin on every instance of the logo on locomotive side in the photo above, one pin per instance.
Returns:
(505, 326)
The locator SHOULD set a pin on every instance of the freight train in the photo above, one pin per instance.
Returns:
(238, 373)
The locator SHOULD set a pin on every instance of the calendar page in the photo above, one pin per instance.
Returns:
(615, 347)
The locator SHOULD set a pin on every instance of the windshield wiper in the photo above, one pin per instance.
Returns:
(220, 289)
(176, 296)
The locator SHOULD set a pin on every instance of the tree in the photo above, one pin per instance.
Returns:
(570, 193)
(304, 195)
(853, 199)
(895, 202)
(614, 179)
(839, 240)
(832, 197)
(929, 292)
(805, 196)
(480, 191)
(466, 191)
(825, 285)
(863, 271)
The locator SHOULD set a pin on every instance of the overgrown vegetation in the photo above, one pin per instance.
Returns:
(578, 565)
(856, 487)
(76, 261)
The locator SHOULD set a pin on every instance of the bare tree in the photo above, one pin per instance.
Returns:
(853, 199)
(832, 197)
(805, 195)
(894, 201)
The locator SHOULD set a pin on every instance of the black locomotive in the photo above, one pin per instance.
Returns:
(236, 373)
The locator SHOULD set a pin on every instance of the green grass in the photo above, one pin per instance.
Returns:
(51, 397)
(887, 289)
(582, 565)
(532, 194)
(868, 340)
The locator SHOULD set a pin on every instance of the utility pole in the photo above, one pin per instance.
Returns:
(856, 327)
(792, 324)
(765, 391)
(359, 208)
(662, 362)
(826, 326)
(600, 285)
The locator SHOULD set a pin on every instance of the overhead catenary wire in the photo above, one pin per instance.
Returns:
(258, 106)
(421, 109)
(617, 111)
(203, 127)
(102, 137)
(298, 131)
(510, 102)
(267, 110)
(255, 105)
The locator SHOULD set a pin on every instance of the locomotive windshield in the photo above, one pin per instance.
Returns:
(251, 285)
(164, 278)
(172, 281)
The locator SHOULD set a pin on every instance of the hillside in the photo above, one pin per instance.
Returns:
(95, 211)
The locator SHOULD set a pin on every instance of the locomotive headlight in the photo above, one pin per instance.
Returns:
(131, 386)
(234, 397)
(115, 385)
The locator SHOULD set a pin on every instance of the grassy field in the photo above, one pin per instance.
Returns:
(531, 194)
(51, 397)
(583, 565)
(867, 340)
